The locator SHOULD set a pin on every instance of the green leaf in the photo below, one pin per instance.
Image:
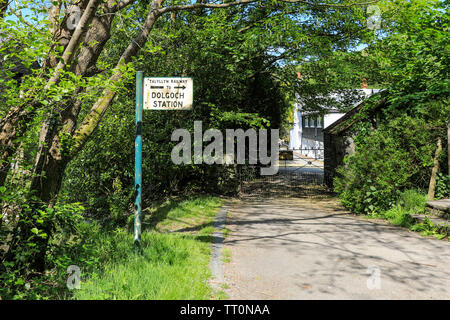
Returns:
(8, 263)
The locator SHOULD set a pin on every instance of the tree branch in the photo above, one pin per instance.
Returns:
(97, 111)
(122, 4)
(3, 7)
(244, 2)
(75, 40)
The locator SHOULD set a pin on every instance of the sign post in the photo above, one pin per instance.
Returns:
(168, 93)
(154, 94)
(138, 160)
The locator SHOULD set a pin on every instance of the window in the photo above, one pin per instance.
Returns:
(306, 122)
(319, 122)
(312, 122)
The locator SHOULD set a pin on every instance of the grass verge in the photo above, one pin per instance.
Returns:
(174, 259)
(409, 203)
(226, 255)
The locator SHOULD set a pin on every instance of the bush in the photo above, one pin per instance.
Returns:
(397, 215)
(442, 186)
(372, 176)
(413, 201)
(409, 202)
(57, 225)
(396, 156)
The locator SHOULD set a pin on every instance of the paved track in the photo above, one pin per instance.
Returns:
(312, 249)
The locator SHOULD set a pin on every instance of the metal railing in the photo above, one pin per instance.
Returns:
(316, 154)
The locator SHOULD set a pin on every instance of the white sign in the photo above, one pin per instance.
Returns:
(168, 93)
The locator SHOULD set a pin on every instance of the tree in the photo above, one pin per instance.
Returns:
(74, 67)
(405, 146)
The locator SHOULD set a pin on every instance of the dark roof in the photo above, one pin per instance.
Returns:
(350, 118)
(350, 96)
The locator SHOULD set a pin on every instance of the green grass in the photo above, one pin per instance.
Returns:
(410, 202)
(413, 201)
(428, 228)
(189, 215)
(221, 295)
(225, 286)
(226, 255)
(226, 232)
(171, 266)
(399, 216)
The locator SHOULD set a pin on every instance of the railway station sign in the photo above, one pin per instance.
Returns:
(168, 93)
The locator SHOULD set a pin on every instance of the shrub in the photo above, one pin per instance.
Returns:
(409, 202)
(413, 201)
(372, 176)
(442, 186)
(58, 224)
(397, 215)
(396, 156)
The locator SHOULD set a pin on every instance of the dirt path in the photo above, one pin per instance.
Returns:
(312, 249)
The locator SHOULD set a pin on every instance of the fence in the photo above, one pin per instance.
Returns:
(296, 181)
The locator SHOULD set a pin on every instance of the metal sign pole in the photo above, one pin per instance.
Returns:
(138, 159)
(154, 94)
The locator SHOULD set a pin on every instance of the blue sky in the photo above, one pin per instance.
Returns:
(27, 13)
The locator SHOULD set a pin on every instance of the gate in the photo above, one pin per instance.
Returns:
(299, 176)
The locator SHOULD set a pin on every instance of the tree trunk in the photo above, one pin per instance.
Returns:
(448, 147)
(53, 154)
(52, 157)
(435, 170)
(3, 7)
(12, 126)
(15, 123)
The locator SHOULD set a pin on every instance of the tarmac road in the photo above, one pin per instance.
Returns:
(312, 249)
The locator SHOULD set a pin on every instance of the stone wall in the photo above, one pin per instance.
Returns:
(337, 147)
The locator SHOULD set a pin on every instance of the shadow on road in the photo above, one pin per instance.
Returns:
(307, 247)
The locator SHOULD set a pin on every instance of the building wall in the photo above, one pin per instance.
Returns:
(310, 139)
(312, 143)
(337, 147)
(307, 136)
(295, 134)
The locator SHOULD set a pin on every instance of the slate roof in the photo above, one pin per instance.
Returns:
(349, 118)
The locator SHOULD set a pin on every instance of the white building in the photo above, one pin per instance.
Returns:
(306, 135)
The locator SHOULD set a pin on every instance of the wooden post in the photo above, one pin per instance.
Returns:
(448, 147)
(435, 170)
